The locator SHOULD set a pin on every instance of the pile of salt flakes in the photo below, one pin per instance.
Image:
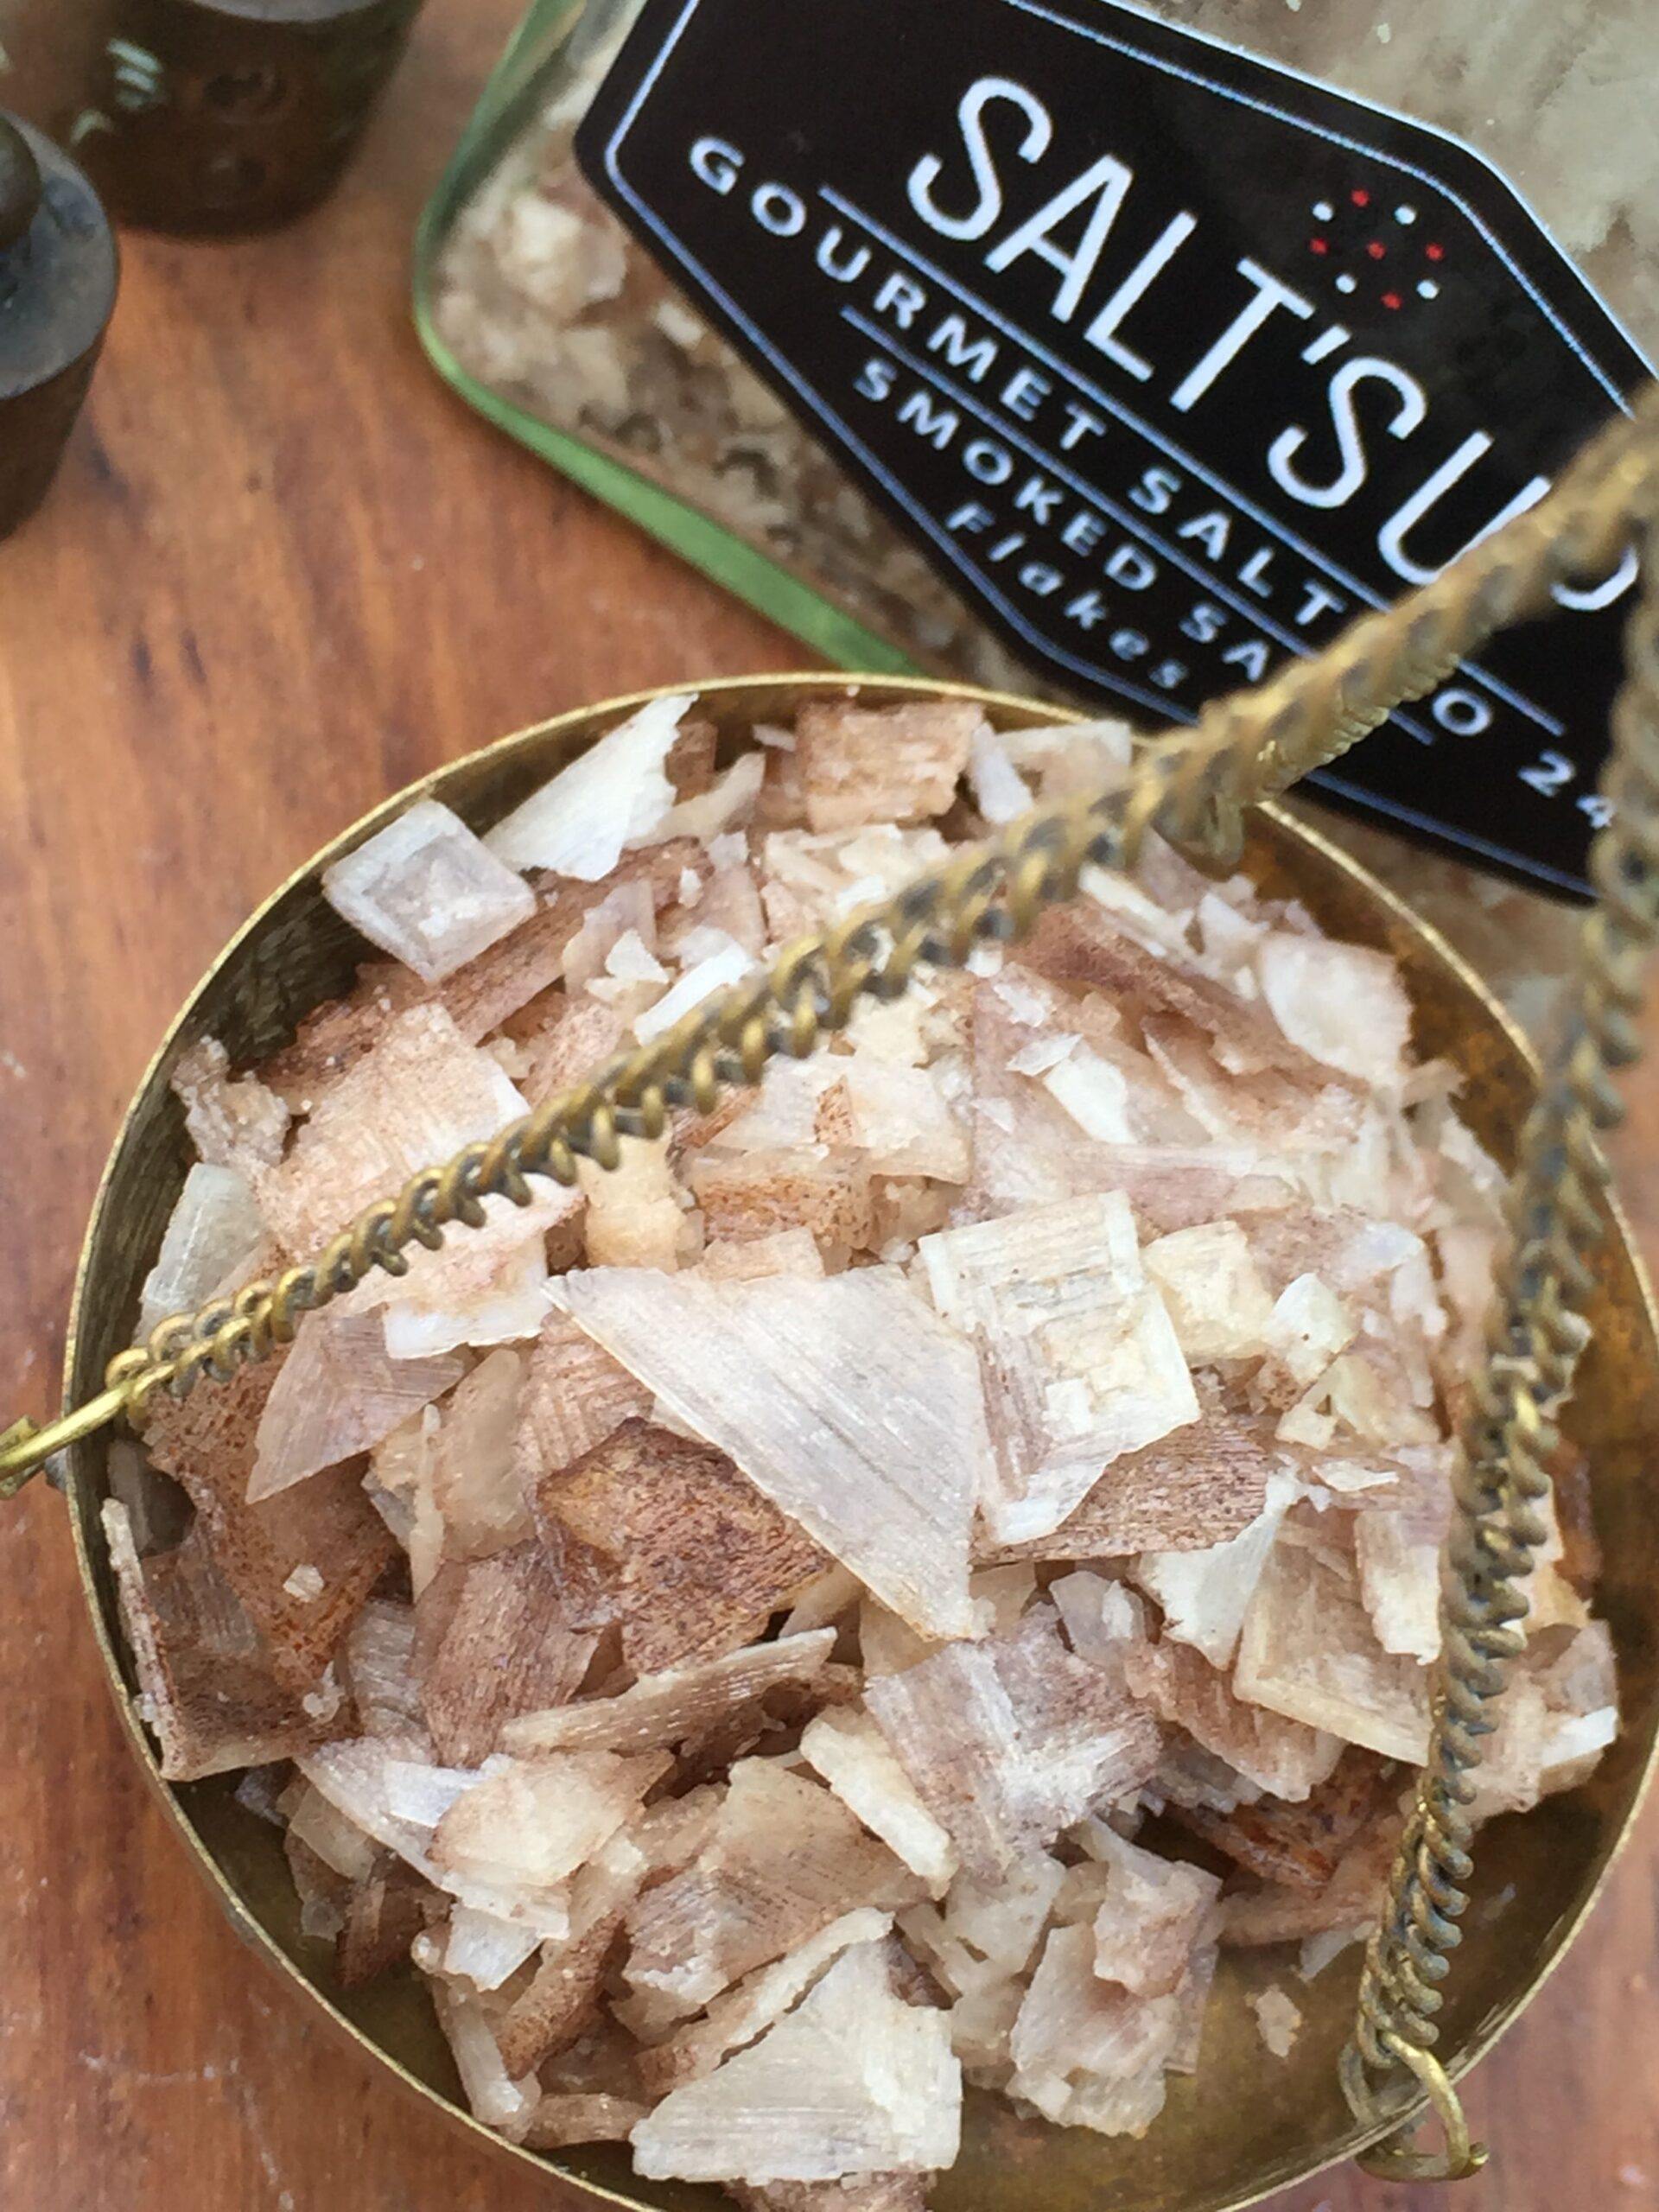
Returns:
(879, 1590)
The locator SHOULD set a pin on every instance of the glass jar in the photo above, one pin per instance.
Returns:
(542, 308)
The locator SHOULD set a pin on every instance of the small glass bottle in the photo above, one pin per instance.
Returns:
(206, 115)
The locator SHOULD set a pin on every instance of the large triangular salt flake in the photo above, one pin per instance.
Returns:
(853, 2082)
(339, 1392)
(845, 1400)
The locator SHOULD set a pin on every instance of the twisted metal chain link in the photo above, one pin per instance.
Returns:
(1534, 1335)
(1194, 787)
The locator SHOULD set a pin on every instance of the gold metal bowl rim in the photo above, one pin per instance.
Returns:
(246, 1924)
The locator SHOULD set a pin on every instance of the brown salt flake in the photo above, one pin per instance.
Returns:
(236, 1124)
(1089, 2053)
(339, 1033)
(1198, 1486)
(1341, 1004)
(429, 892)
(746, 2010)
(785, 1252)
(852, 1755)
(1153, 1915)
(338, 1395)
(529, 1824)
(575, 1395)
(1278, 2019)
(1272, 1912)
(419, 1094)
(783, 1858)
(1293, 1114)
(884, 764)
(1300, 1846)
(377, 1669)
(384, 1914)
(885, 2092)
(490, 1643)
(564, 2117)
(1080, 946)
(690, 765)
(158, 1509)
(561, 2001)
(1009, 1741)
(1569, 1473)
(694, 1553)
(1077, 1357)
(638, 1215)
(205, 1687)
(846, 1402)
(824, 1190)
(1309, 1652)
(206, 1440)
(573, 1041)
(675, 1705)
(1280, 1755)
(727, 801)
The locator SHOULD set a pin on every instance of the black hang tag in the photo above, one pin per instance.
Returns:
(1172, 360)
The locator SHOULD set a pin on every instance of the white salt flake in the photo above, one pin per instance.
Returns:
(609, 798)
(727, 966)
(429, 892)
(853, 2082)
(214, 1230)
(1279, 2020)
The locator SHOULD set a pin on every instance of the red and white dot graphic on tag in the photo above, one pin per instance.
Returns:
(1372, 246)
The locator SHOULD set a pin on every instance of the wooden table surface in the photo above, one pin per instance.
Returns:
(285, 571)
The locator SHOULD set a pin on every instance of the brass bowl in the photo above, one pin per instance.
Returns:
(1249, 2123)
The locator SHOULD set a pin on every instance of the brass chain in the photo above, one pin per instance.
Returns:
(1194, 787)
(1534, 1335)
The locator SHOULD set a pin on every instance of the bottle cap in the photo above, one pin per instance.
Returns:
(20, 185)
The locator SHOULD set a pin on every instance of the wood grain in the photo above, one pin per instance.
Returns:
(284, 572)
